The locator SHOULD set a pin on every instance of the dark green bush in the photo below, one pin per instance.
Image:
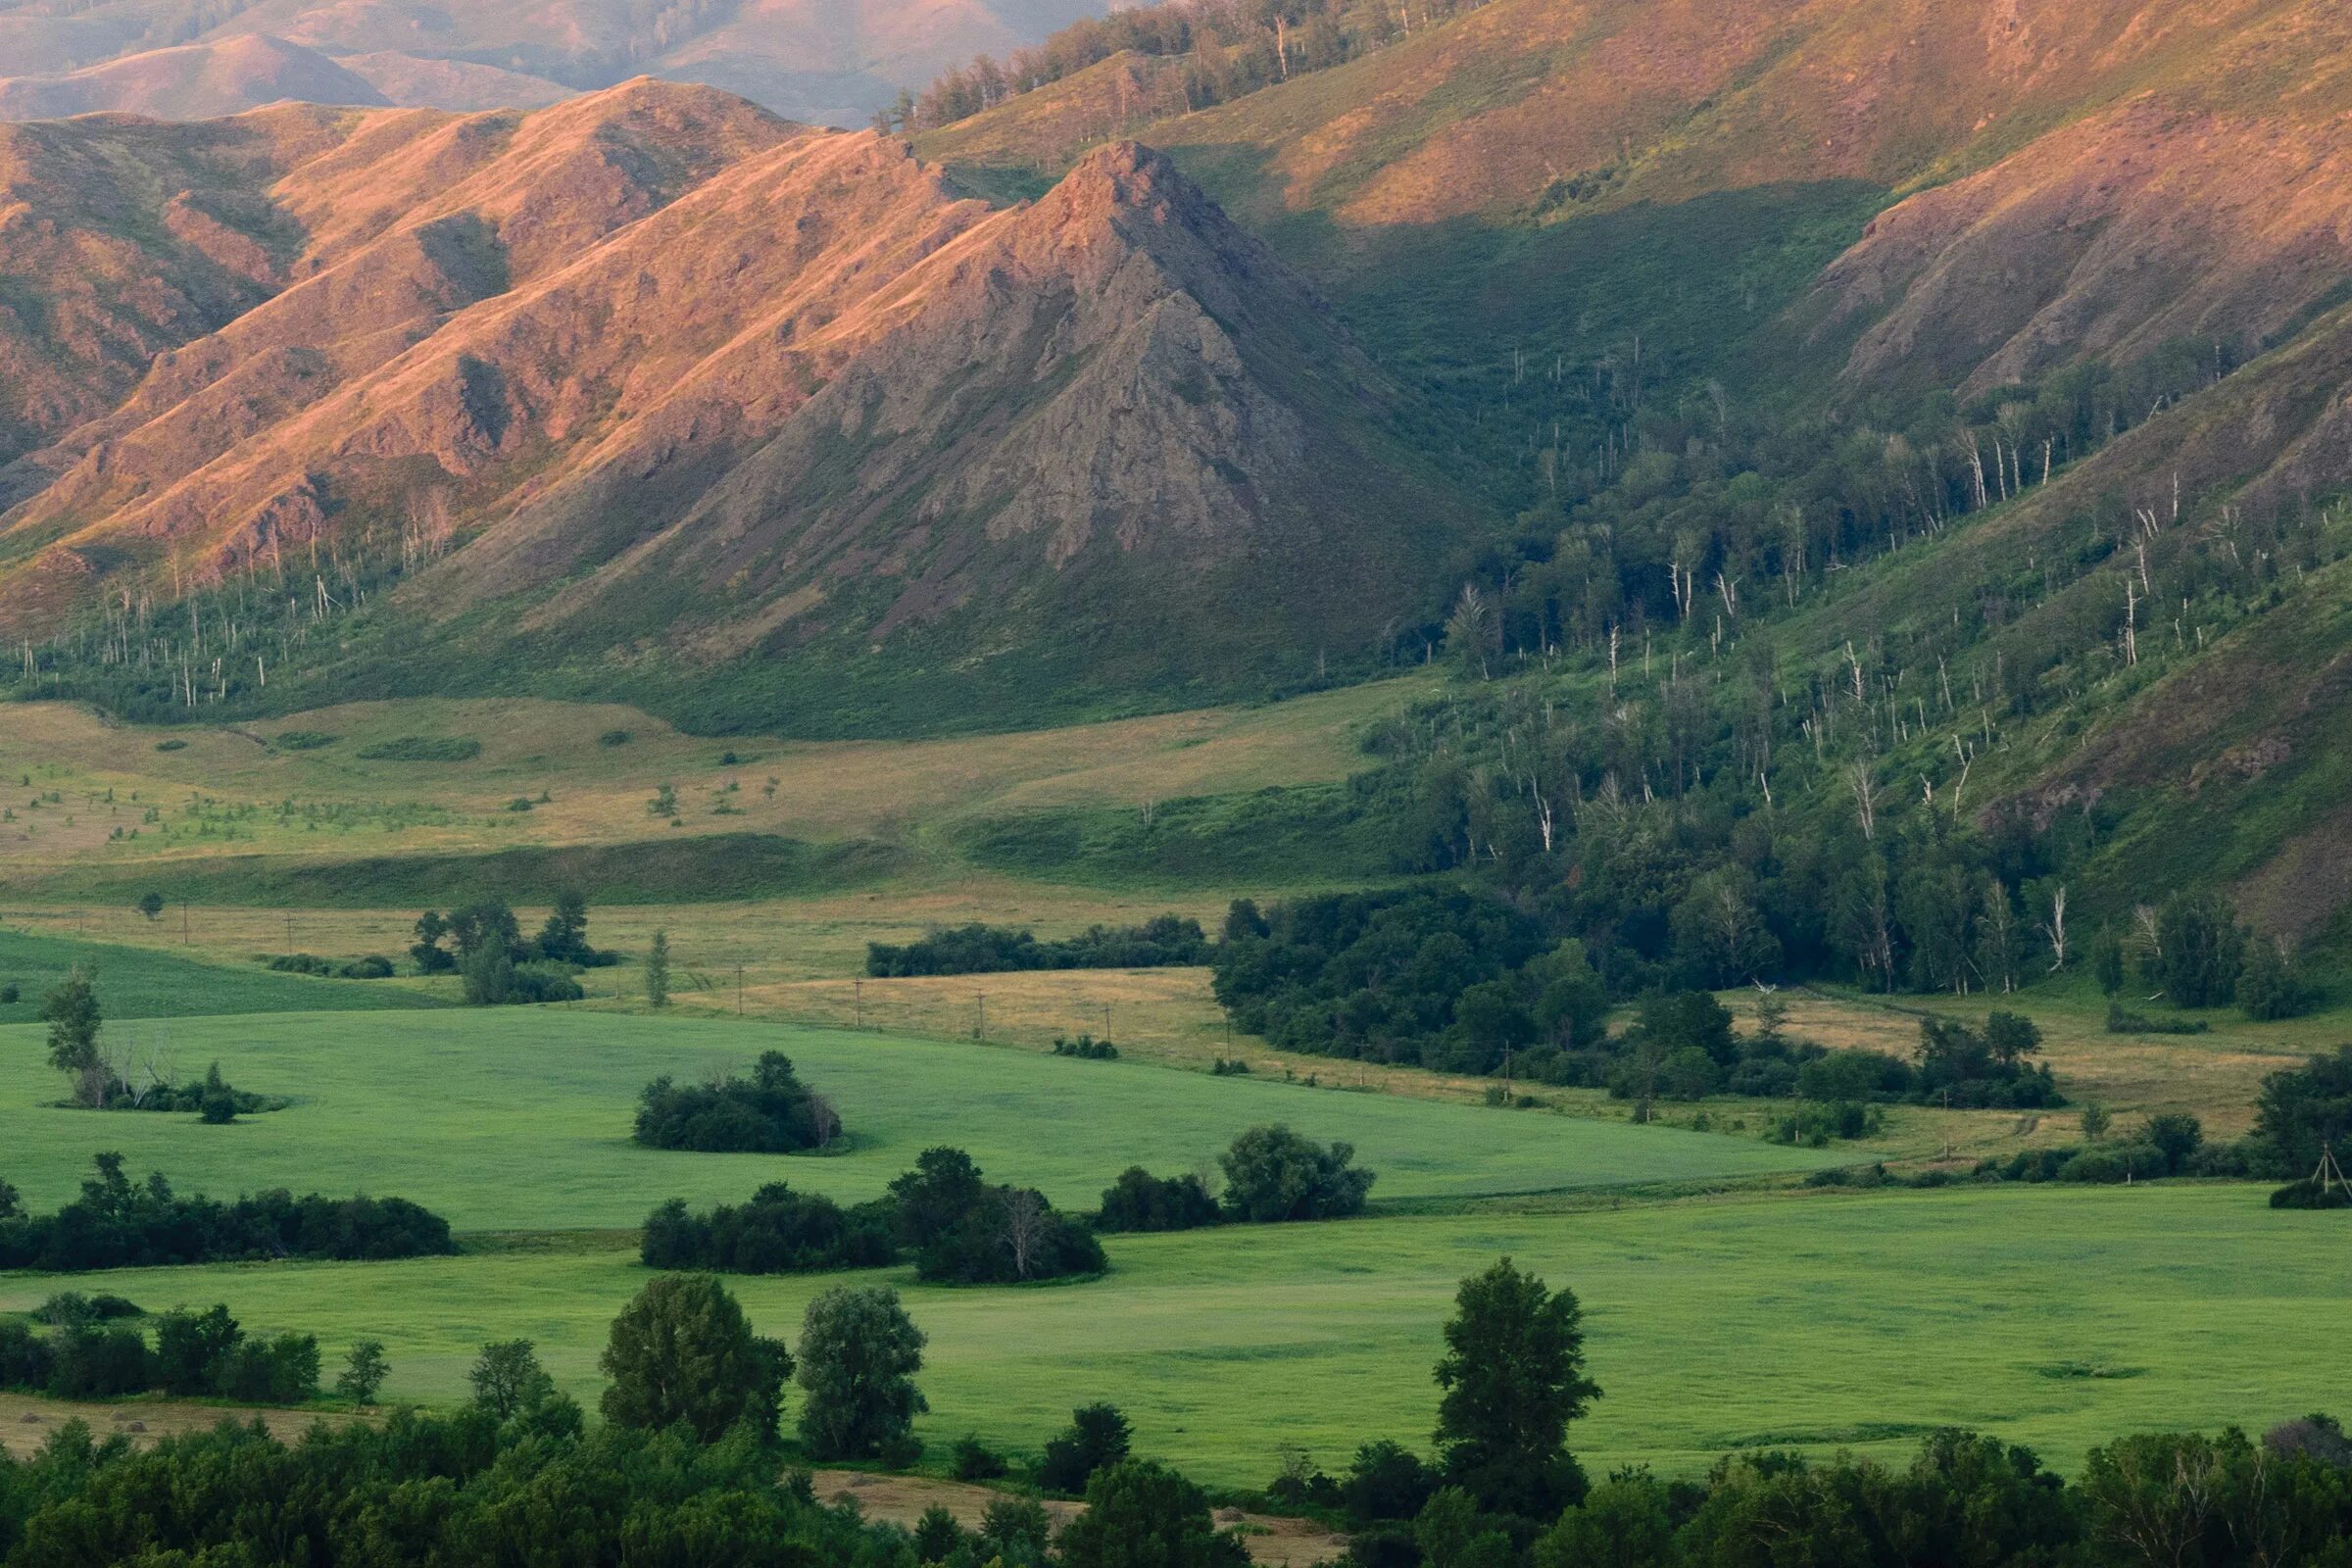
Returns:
(422, 748)
(770, 1113)
(1138, 1200)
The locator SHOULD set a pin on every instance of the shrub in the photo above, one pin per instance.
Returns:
(2099, 1165)
(1096, 1437)
(967, 1231)
(614, 737)
(974, 1460)
(2175, 1136)
(282, 1371)
(1386, 1482)
(363, 1372)
(2309, 1193)
(1854, 1075)
(778, 1232)
(1141, 1202)
(1273, 1174)
(2121, 1021)
(770, 1113)
(422, 748)
(2306, 1111)
(1086, 1047)
(2198, 950)
(91, 1361)
(175, 743)
(71, 1307)
(2270, 986)
(1159, 943)
(1138, 1505)
(115, 1224)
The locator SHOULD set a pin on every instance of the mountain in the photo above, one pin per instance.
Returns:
(197, 82)
(1996, 350)
(652, 385)
(822, 61)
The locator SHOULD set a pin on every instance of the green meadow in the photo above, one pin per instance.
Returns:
(518, 1118)
(2055, 1318)
(144, 983)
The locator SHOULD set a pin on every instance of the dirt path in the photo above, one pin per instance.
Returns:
(1274, 1542)
(26, 1420)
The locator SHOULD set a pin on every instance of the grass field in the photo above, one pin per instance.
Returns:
(520, 1119)
(143, 983)
(2053, 1318)
(231, 813)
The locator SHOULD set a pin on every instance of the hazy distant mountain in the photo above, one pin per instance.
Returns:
(195, 81)
(821, 61)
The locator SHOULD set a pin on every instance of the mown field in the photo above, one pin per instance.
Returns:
(2053, 1318)
(519, 1119)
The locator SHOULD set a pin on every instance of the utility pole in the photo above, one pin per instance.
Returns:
(857, 1003)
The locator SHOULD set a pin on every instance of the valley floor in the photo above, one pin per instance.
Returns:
(1729, 1306)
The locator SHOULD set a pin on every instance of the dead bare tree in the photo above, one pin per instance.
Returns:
(2054, 929)
(1021, 1228)
(1859, 779)
(823, 1120)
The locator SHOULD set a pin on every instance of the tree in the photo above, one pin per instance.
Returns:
(2096, 1119)
(1513, 1376)
(1096, 1436)
(657, 971)
(363, 1372)
(489, 976)
(2198, 950)
(1387, 1482)
(1491, 1025)
(219, 1106)
(1141, 1515)
(858, 1356)
(934, 1198)
(430, 956)
(564, 936)
(683, 1352)
(190, 1346)
(509, 1381)
(2107, 960)
(1273, 1174)
(1673, 1020)
(151, 905)
(2269, 987)
(1572, 1005)
(1719, 937)
(488, 923)
(2175, 1135)
(71, 1012)
(2306, 1109)
(1626, 1522)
